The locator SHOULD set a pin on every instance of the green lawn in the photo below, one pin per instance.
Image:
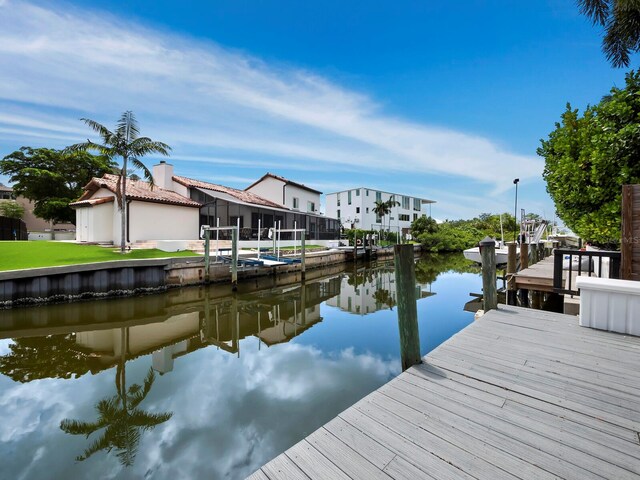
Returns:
(19, 255)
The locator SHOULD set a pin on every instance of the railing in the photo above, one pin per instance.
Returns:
(598, 263)
(246, 233)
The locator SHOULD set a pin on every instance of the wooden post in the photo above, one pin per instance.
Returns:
(303, 253)
(407, 310)
(536, 300)
(273, 235)
(524, 256)
(258, 240)
(511, 271)
(207, 258)
(489, 290)
(533, 248)
(234, 259)
(626, 247)
(303, 303)
(524, 263)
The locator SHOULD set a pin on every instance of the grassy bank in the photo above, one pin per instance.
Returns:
(20, 255)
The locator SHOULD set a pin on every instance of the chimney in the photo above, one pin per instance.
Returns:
(162, 175)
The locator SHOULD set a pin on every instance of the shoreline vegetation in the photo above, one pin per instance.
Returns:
(453, 235)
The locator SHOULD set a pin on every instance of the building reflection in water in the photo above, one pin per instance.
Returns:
(69, 340)
(368, 290)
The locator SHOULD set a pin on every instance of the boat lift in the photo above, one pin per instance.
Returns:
(206, 230)
(275, 236)
(235, 231)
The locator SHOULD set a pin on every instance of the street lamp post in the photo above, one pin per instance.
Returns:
(515, 210)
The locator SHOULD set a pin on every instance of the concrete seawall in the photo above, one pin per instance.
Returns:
(130, 277)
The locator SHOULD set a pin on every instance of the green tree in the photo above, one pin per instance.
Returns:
(621, 21)
(51, 356)
(52, 179)
(588, 158)
(423, 225)
(124, 142)
(11, 209)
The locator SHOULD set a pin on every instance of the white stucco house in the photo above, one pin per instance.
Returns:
(354, 208)
(293, 195)
(153, 213)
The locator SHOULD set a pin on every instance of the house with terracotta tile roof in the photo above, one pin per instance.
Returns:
(153, 213)
(176, 207)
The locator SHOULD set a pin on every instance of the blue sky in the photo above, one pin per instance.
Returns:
(418, 97)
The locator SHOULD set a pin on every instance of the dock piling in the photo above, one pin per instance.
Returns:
(302, 254)
(489, 290)
(207, 256)
(511, 271)
(234, 259)
(407, 309)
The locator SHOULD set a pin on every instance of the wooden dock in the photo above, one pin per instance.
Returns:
(538, 276)
(518, 394)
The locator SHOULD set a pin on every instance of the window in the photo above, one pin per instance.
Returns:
(378, 196)
(367, 209)
(417, 203)
(378, 219)
(357, 192)
(338, 200)
(349, 197)
(311, 207)
(405, 203)
(403, 217)
(296, 203)
(415, 216)
(357, 209)
(367, 192)
(338, 214)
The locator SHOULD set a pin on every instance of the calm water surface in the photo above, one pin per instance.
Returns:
(200, 383)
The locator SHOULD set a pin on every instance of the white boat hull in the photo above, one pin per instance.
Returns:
(473, 254)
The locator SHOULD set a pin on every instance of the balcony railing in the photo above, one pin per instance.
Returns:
(596, 263)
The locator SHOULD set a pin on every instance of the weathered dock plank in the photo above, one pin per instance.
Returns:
(519, 394)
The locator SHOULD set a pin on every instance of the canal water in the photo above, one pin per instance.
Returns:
(203, 383)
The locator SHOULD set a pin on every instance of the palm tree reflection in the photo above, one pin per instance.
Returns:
(123, 422)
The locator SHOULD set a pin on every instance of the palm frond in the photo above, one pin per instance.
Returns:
(88, 146)
(77, 427)
(596, 10)
(101, 443)
(146, 173)
(146, 420)
(144, 145)
(127, 126)
(104, 132)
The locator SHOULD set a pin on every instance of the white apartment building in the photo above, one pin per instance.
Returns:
(293, 195)
(354, 209)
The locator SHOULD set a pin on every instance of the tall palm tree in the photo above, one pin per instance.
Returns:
(119, 415)
(390, 204)
(381, 209)
(125, 142)
(621, 21)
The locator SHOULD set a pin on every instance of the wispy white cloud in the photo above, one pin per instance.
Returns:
(207, 101)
